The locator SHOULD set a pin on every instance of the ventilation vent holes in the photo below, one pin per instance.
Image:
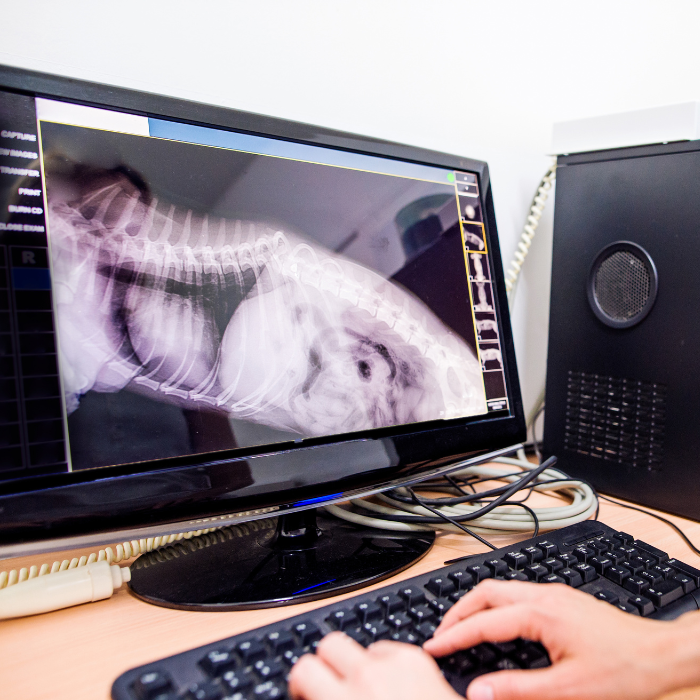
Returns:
(618, 420)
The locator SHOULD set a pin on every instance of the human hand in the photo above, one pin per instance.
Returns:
(342, 670)
(597, 651)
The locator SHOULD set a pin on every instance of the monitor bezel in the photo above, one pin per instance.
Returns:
(55, 508)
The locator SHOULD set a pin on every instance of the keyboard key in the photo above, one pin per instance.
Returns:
(534, 554)
(369, 611)
(421, 613)
(568, 560)
(398, 621)
(151, 684)
(664, 592)
(587, 572)
(342, 619)
(553, 564)
(484, 655)
(600, 564)
(685, 569)
(251, 651)
(643, 604)
(270, 690)
(359, 636)
(269, 669)
(610, 543)
(391, 603)
(440, 586)
(686, 582)
(531, 655)
(238, 680)
(426, 629)
(607, 596)
(617, 555)
(479, 572)
(549, 549)
(507, 665)
(454, 597)
(291, 656)
(506, 648)
(217, 662)
(516, 560)
(636, 584)
(658, 554)
(573, 578)
(462, 580)
(664, 571)
(280, 641)
(617, 574)
(407, 636)
(552, 578)
(459, 664)
(626, 607)
(516, 576)
(412, 595)
(380, 630)
(307, 632)
(624, 537)
(651, 577)
(634, 564)
(205, 691)
(440, 606)
(583, 554)
(598, 546)
(498, 567)
(535, 572)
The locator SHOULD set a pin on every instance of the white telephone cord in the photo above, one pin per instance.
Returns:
(38, 589)
(531, 223)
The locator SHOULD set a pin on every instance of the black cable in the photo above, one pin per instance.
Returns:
(535, 519)
(457, 486)
(505, 495)
(525, 477)
(447, 518)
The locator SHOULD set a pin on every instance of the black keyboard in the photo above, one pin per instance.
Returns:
(630, 574)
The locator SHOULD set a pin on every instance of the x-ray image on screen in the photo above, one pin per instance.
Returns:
(187, 297)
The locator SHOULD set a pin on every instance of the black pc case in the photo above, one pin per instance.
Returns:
(623, 370)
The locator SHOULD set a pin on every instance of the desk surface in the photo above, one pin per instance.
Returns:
(77, 653)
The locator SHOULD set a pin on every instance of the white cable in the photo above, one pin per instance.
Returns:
(532, 221)
(38, 589)
(501, 520)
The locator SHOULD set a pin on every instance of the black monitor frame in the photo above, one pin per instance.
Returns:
(51, 512)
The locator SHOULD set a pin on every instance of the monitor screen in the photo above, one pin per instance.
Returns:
(183, 296)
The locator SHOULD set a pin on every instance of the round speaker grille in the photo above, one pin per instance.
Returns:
(622, 284)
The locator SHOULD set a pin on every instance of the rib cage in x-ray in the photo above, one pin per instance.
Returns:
(243, 318)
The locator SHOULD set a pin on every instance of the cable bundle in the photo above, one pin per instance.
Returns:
(488, 512)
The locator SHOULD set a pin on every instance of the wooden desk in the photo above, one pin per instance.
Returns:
(77, 653)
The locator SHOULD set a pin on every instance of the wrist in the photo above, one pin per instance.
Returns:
(678, 652)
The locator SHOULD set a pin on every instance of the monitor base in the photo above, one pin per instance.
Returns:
(283, 561)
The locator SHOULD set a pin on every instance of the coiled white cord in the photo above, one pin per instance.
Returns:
(121, 552)
(502, 520)
(533, 219)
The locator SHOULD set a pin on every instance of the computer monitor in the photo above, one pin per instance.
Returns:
(209, 317)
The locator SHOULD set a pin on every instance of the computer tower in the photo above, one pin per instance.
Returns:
(623, 369)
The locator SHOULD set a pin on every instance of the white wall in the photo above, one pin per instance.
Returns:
(484, 79)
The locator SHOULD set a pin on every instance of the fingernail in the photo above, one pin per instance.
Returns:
(479, 691)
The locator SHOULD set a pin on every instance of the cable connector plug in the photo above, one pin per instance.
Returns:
(85, 584)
